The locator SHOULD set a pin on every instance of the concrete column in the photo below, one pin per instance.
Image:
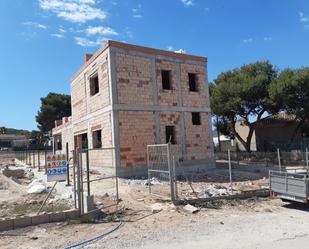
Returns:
(114, 113)
(155, 99)
(209, 118)
(182, 119)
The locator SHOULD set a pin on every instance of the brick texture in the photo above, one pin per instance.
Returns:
(133, 84)
(167, 97)
(198, 142)
(133, 77)
(137, 130)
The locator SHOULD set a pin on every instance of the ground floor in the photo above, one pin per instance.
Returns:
(120, 138)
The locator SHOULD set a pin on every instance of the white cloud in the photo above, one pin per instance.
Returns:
(59, 36)
(249, 40)
(187, 2)
(128, 32)
(100, 30)
(35, 25)
(99, 36)
(84, 42)
(62, 30)
(79, 11)
(303, 18)
(137, 12)
(268, 38)
(181, 51)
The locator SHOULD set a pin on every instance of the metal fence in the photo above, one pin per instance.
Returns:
(34, 158)
(234, 173)
(161, 171)
(96, 179)
(24, 188)
(239, 172)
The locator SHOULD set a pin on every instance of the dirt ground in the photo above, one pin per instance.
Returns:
(253, 223)
(14, 199)
(149, 222)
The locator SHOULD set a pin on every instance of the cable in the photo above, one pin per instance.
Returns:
(94, 238)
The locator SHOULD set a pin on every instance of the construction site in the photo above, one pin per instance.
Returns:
(135, 164)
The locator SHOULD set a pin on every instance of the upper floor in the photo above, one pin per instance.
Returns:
(128, 77)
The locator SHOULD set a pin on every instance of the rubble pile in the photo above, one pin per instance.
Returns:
(214, 191)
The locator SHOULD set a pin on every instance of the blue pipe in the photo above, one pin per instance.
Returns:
(100, 236)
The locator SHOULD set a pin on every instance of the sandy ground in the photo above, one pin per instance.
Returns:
(255, 223)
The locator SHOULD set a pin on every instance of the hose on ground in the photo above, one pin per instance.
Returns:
(100, 236)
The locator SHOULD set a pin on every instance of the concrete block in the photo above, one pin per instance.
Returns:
(56, 217)
(22, 222)
(94, 214)
(40, 219)
(71, 214)
(88, 202)
(191, 209)
(6, 224)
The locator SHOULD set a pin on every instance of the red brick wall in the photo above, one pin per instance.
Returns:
(194, 99)
(137, 130)
(198, 142)
(82, 101)
(101, 99)
(133, 77)
(167, 97)
(171, 119)
(78, 98)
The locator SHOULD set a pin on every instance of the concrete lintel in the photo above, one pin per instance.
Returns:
(162, 108)
(75, 133)
(93, 114)
(159, 57)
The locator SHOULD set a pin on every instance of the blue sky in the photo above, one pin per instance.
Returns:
(43, 41)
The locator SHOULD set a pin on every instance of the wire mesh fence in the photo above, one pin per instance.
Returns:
(161, 171)
(24, 186)
(237, 172)
(34, 158)
(96, 179)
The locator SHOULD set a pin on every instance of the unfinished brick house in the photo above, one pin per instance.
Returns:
(128, 97)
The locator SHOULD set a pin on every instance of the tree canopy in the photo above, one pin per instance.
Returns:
(54, 106)
(242, 94)
(290, 92)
